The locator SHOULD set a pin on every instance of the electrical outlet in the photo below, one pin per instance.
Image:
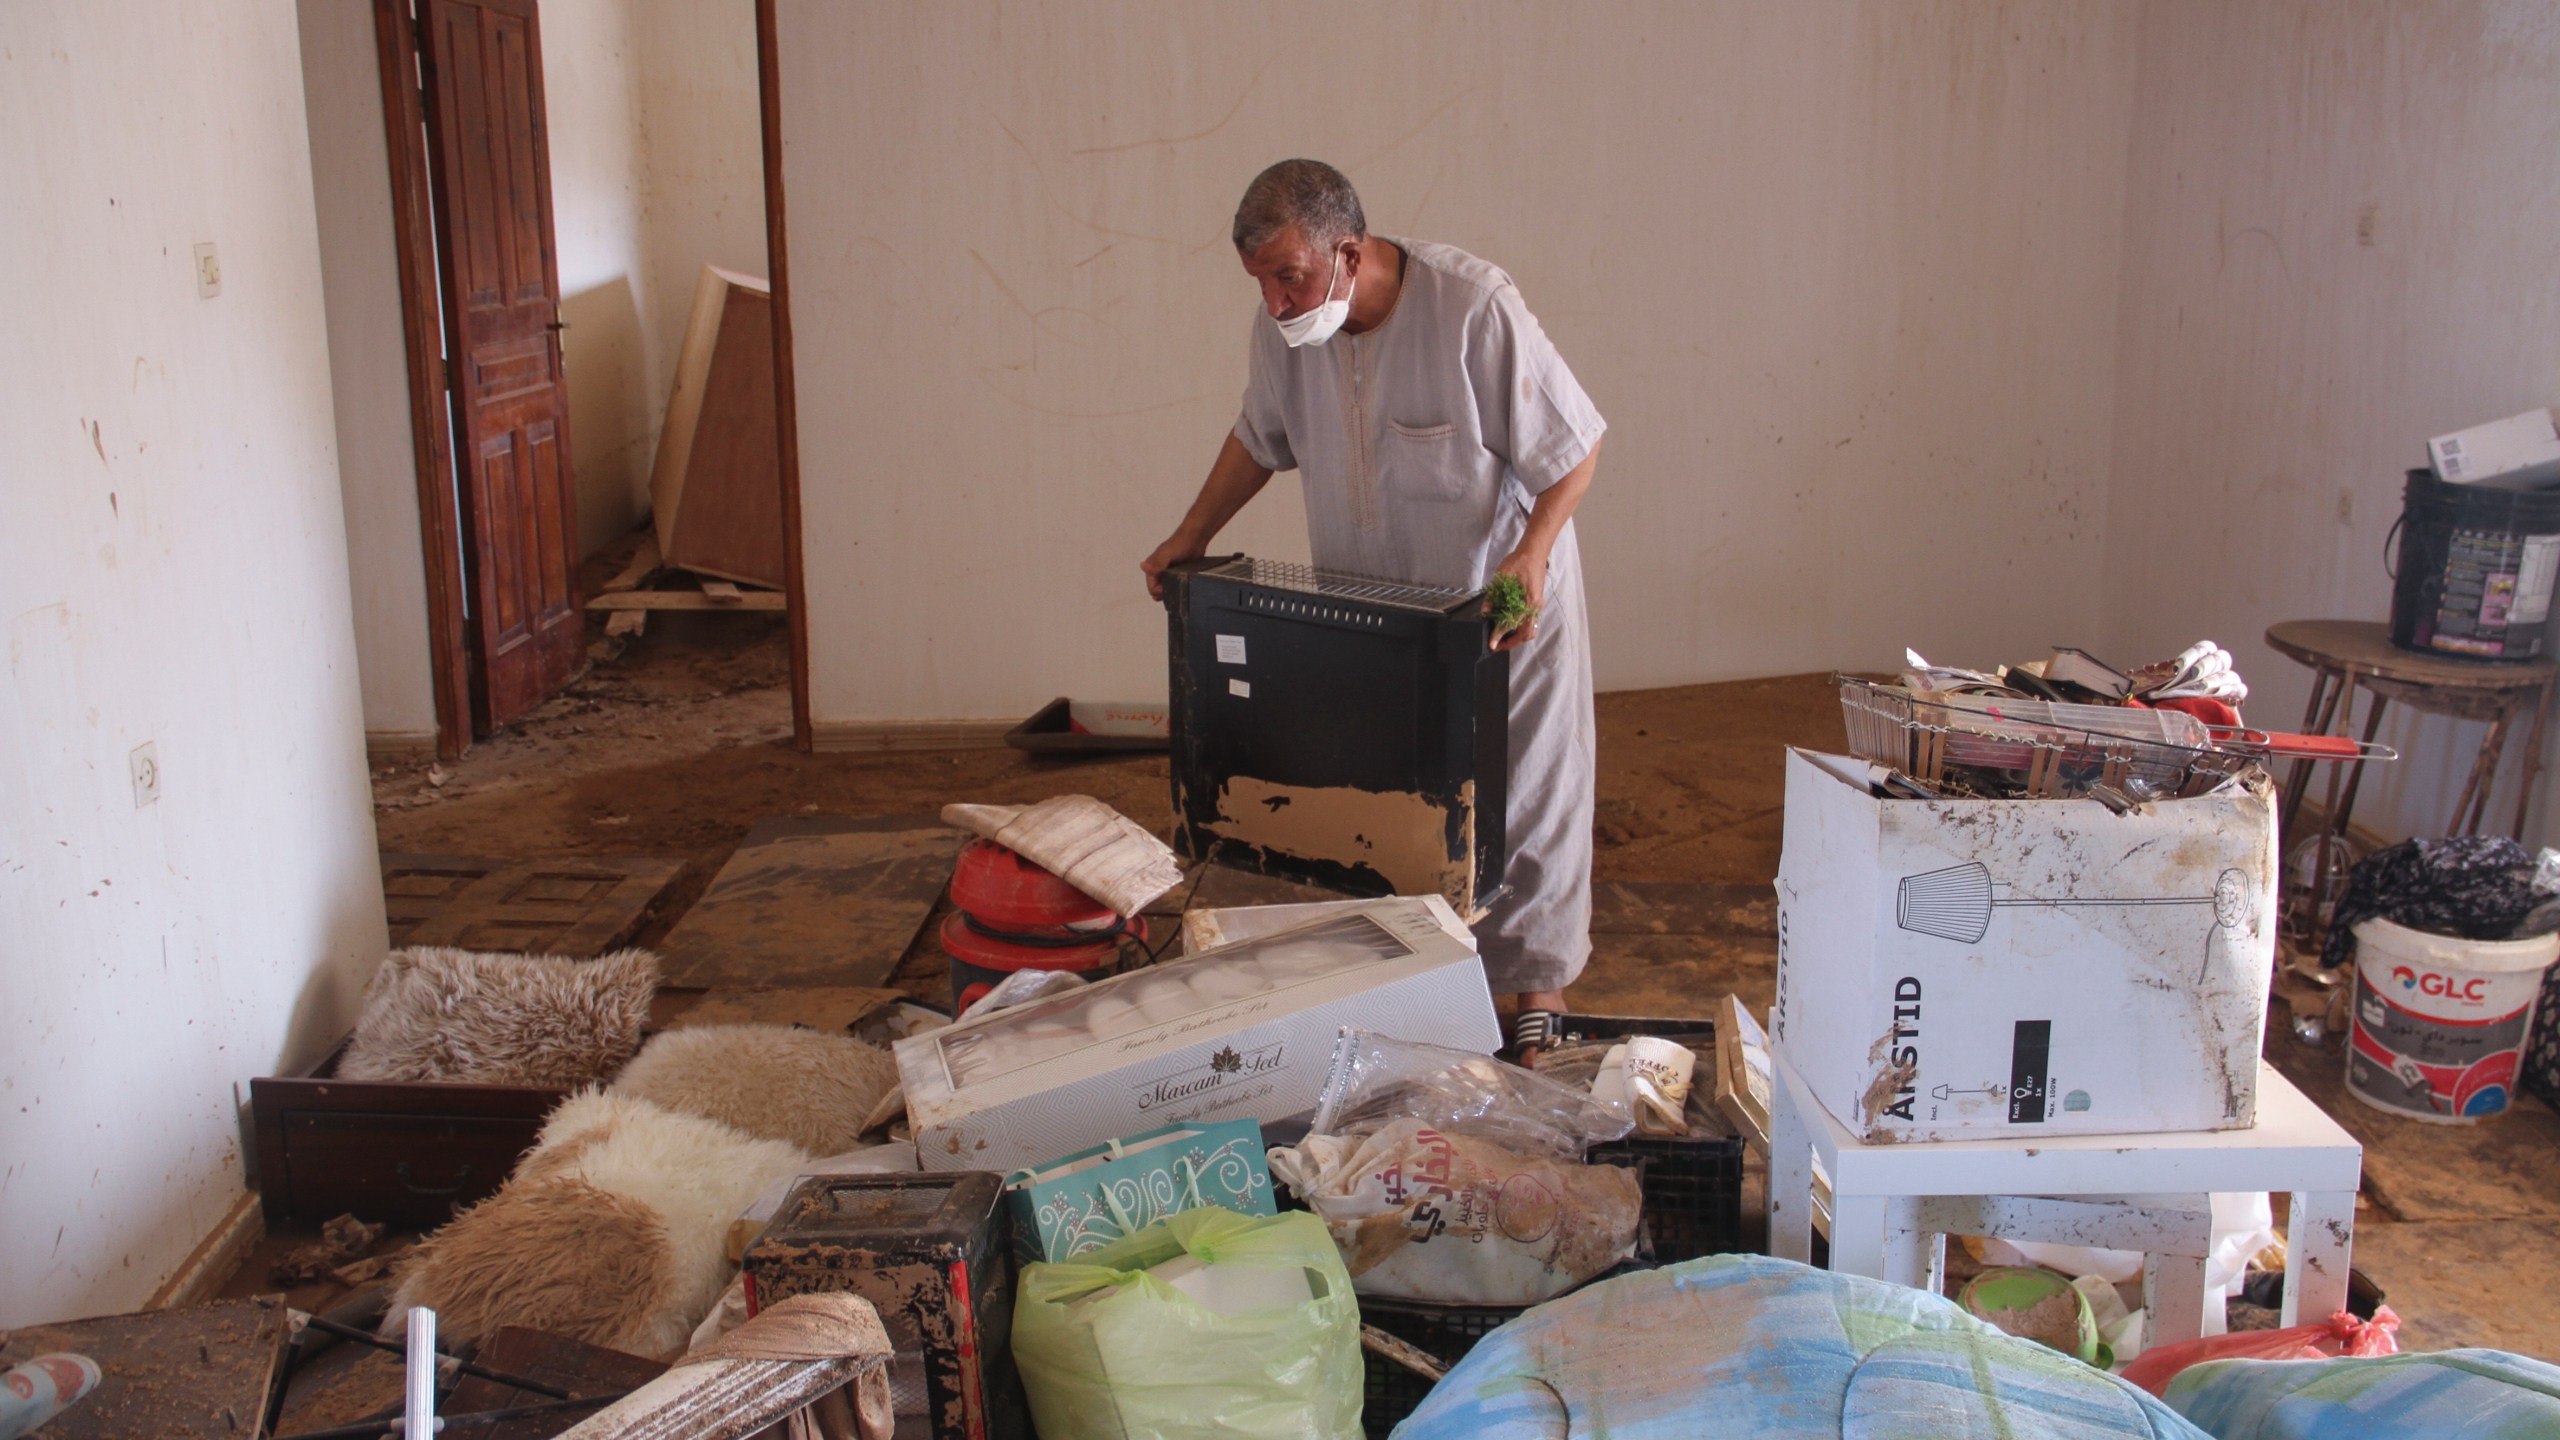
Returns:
(146, 774)
(208, 271)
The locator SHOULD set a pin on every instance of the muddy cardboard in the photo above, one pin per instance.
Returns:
(1974, 969)
(1243, 1031)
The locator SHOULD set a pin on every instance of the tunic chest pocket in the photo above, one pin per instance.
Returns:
(1428, 462)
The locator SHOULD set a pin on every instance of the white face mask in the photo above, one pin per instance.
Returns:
(1317, 325)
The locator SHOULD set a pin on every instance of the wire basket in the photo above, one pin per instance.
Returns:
(2043, 751)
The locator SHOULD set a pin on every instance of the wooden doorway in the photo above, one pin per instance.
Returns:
(462, 86)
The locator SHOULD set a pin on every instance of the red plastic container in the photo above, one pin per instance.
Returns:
(1016, 916)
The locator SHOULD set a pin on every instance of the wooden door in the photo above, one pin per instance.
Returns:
(491, 174)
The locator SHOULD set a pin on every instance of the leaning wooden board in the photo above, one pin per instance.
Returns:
(580, 907)
(199, 1370)
(815, 900)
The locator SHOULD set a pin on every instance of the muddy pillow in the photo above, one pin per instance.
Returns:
(614, 1230)
(432, 1013)
(775, 1082)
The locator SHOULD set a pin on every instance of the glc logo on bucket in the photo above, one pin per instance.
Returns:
(2471, 990)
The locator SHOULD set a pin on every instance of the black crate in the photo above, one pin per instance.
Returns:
(1692, 1187)
(1337, 730)
(1446, 1333)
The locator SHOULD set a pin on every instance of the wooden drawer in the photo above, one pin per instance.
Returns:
(408, 1153)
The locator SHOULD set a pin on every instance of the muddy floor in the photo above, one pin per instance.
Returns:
(680, 742)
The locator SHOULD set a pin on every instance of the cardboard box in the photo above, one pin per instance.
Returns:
(1244, 1031)
(1082, 1202)
(1969, 969)
(2521, 450)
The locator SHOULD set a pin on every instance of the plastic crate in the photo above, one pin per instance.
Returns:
(1444, 1332)
(1692, 1187)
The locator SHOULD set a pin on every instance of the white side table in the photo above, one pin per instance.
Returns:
(1889, 1202)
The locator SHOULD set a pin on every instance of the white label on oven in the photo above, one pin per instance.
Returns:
(1240, 689)
(1230, 649)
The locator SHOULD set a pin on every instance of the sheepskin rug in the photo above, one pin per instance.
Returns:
(432, 1013)
(613, 1230)
(773, 1081)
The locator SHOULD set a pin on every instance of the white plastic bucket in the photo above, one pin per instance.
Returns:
(2439, 1020)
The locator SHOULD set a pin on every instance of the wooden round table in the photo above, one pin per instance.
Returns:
(2345, 655)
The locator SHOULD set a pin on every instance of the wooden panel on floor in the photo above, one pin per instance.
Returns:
(581, 907)
(815, 900)
(2459, 1285)
(1647, 907)
(201, 1370)
(1676, 975)
(555, 1360)
(2496, 1169)
(835, 1009)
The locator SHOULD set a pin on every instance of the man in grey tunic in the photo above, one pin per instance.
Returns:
(1439, 439)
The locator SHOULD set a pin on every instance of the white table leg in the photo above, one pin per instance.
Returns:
(1913, 1255)
(1857, 1234)
(2319, 1241)
(1790, 1177)
(2173, 1291)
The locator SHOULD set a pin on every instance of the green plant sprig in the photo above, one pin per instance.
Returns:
(1506, 602)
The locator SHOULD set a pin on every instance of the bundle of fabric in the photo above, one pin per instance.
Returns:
(2478, 1394)
(1747, 1345)
(775, 1082)
(613, 1230)
(432, 1013)
(2477, 887)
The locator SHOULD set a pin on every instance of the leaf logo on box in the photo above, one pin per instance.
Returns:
(1196, 1080)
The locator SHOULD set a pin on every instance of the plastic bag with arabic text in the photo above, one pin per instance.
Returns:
(1377, 1079)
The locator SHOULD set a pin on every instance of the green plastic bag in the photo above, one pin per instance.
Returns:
(1108, 1351)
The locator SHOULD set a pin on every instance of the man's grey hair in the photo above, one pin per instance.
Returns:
(1309, 194)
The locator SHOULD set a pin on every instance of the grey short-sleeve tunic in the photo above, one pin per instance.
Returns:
(1421, 445)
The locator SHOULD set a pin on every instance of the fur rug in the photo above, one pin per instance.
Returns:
(774, 1081)
(432, 1013)
(614, 1230)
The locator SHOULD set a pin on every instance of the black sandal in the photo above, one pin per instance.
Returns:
(1533, 1031)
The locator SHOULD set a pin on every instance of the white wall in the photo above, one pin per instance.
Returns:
(173, 570)
(1841, 276)
(2277, 373)
(377, 458)
(599, 204)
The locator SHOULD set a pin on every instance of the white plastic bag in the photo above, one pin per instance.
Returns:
(1427, 1214)
(1377, 1079)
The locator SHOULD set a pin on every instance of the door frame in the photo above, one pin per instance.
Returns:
(395, 34)
(421, 318)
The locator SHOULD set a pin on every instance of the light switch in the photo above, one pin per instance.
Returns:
(208, 271)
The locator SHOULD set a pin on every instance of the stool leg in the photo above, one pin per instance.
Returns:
(2315, 721)
(1857, 1234)
(2174, 1291)
(2533, 755)
(1913, 1254)
(2319, 1241)
(2473, 803)
(1790, 1178)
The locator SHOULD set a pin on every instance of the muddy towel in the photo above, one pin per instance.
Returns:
(1082, 841)
(1770, 1348)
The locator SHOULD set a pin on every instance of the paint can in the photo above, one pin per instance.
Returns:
(2439, 1021)
(2475, 569)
